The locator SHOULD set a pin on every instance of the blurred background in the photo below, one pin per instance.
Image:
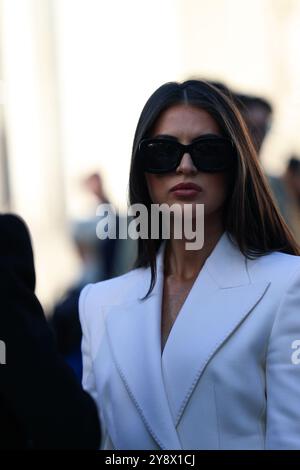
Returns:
(74, 76)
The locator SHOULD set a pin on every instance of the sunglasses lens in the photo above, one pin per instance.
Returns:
(213, 156)
(158, 156)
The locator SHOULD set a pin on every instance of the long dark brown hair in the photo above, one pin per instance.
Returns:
(251, 215)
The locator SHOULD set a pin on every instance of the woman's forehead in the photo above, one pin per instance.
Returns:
(185, 122)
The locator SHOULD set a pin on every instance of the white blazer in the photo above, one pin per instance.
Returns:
(229, 375)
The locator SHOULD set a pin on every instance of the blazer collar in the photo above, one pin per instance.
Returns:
(226, 265)
(162, 384)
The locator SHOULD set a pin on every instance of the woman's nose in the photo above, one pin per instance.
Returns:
(186, 165)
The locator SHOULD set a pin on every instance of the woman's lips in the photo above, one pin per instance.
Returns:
(186, 189)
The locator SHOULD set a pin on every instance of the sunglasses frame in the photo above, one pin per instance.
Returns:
(189, 148)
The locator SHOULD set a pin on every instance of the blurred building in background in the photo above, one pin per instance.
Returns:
(74, 77)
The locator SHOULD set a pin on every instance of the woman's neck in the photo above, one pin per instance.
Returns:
(183, 264)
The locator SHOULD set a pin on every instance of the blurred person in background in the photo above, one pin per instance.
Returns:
(65, 317)
(257, 113)
(116, 256)
(42, 406)
(100, 260)
(286, 189)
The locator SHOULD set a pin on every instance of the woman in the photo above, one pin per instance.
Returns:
(198, 349)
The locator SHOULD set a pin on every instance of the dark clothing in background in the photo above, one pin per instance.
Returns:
(66, 325)
(42, 406)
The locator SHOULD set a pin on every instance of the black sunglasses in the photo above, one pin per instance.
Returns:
(209, 153)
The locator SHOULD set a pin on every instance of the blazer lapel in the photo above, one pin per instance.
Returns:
(220, 299)
(134, 332)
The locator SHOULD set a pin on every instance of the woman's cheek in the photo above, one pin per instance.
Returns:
(216, 191)
(157, 188)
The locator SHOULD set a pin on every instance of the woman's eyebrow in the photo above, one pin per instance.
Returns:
(209, 134)
(172, 137)
(165, 136)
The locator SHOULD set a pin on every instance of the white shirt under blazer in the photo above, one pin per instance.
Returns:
(229, 376)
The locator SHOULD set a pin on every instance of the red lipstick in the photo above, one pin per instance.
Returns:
(186, 189)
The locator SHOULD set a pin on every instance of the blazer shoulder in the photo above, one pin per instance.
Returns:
(115, 291)
(96, 300)
(274, 266)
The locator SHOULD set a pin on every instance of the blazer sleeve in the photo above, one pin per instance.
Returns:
(88, 379)
(283, 372)
(88, 375)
